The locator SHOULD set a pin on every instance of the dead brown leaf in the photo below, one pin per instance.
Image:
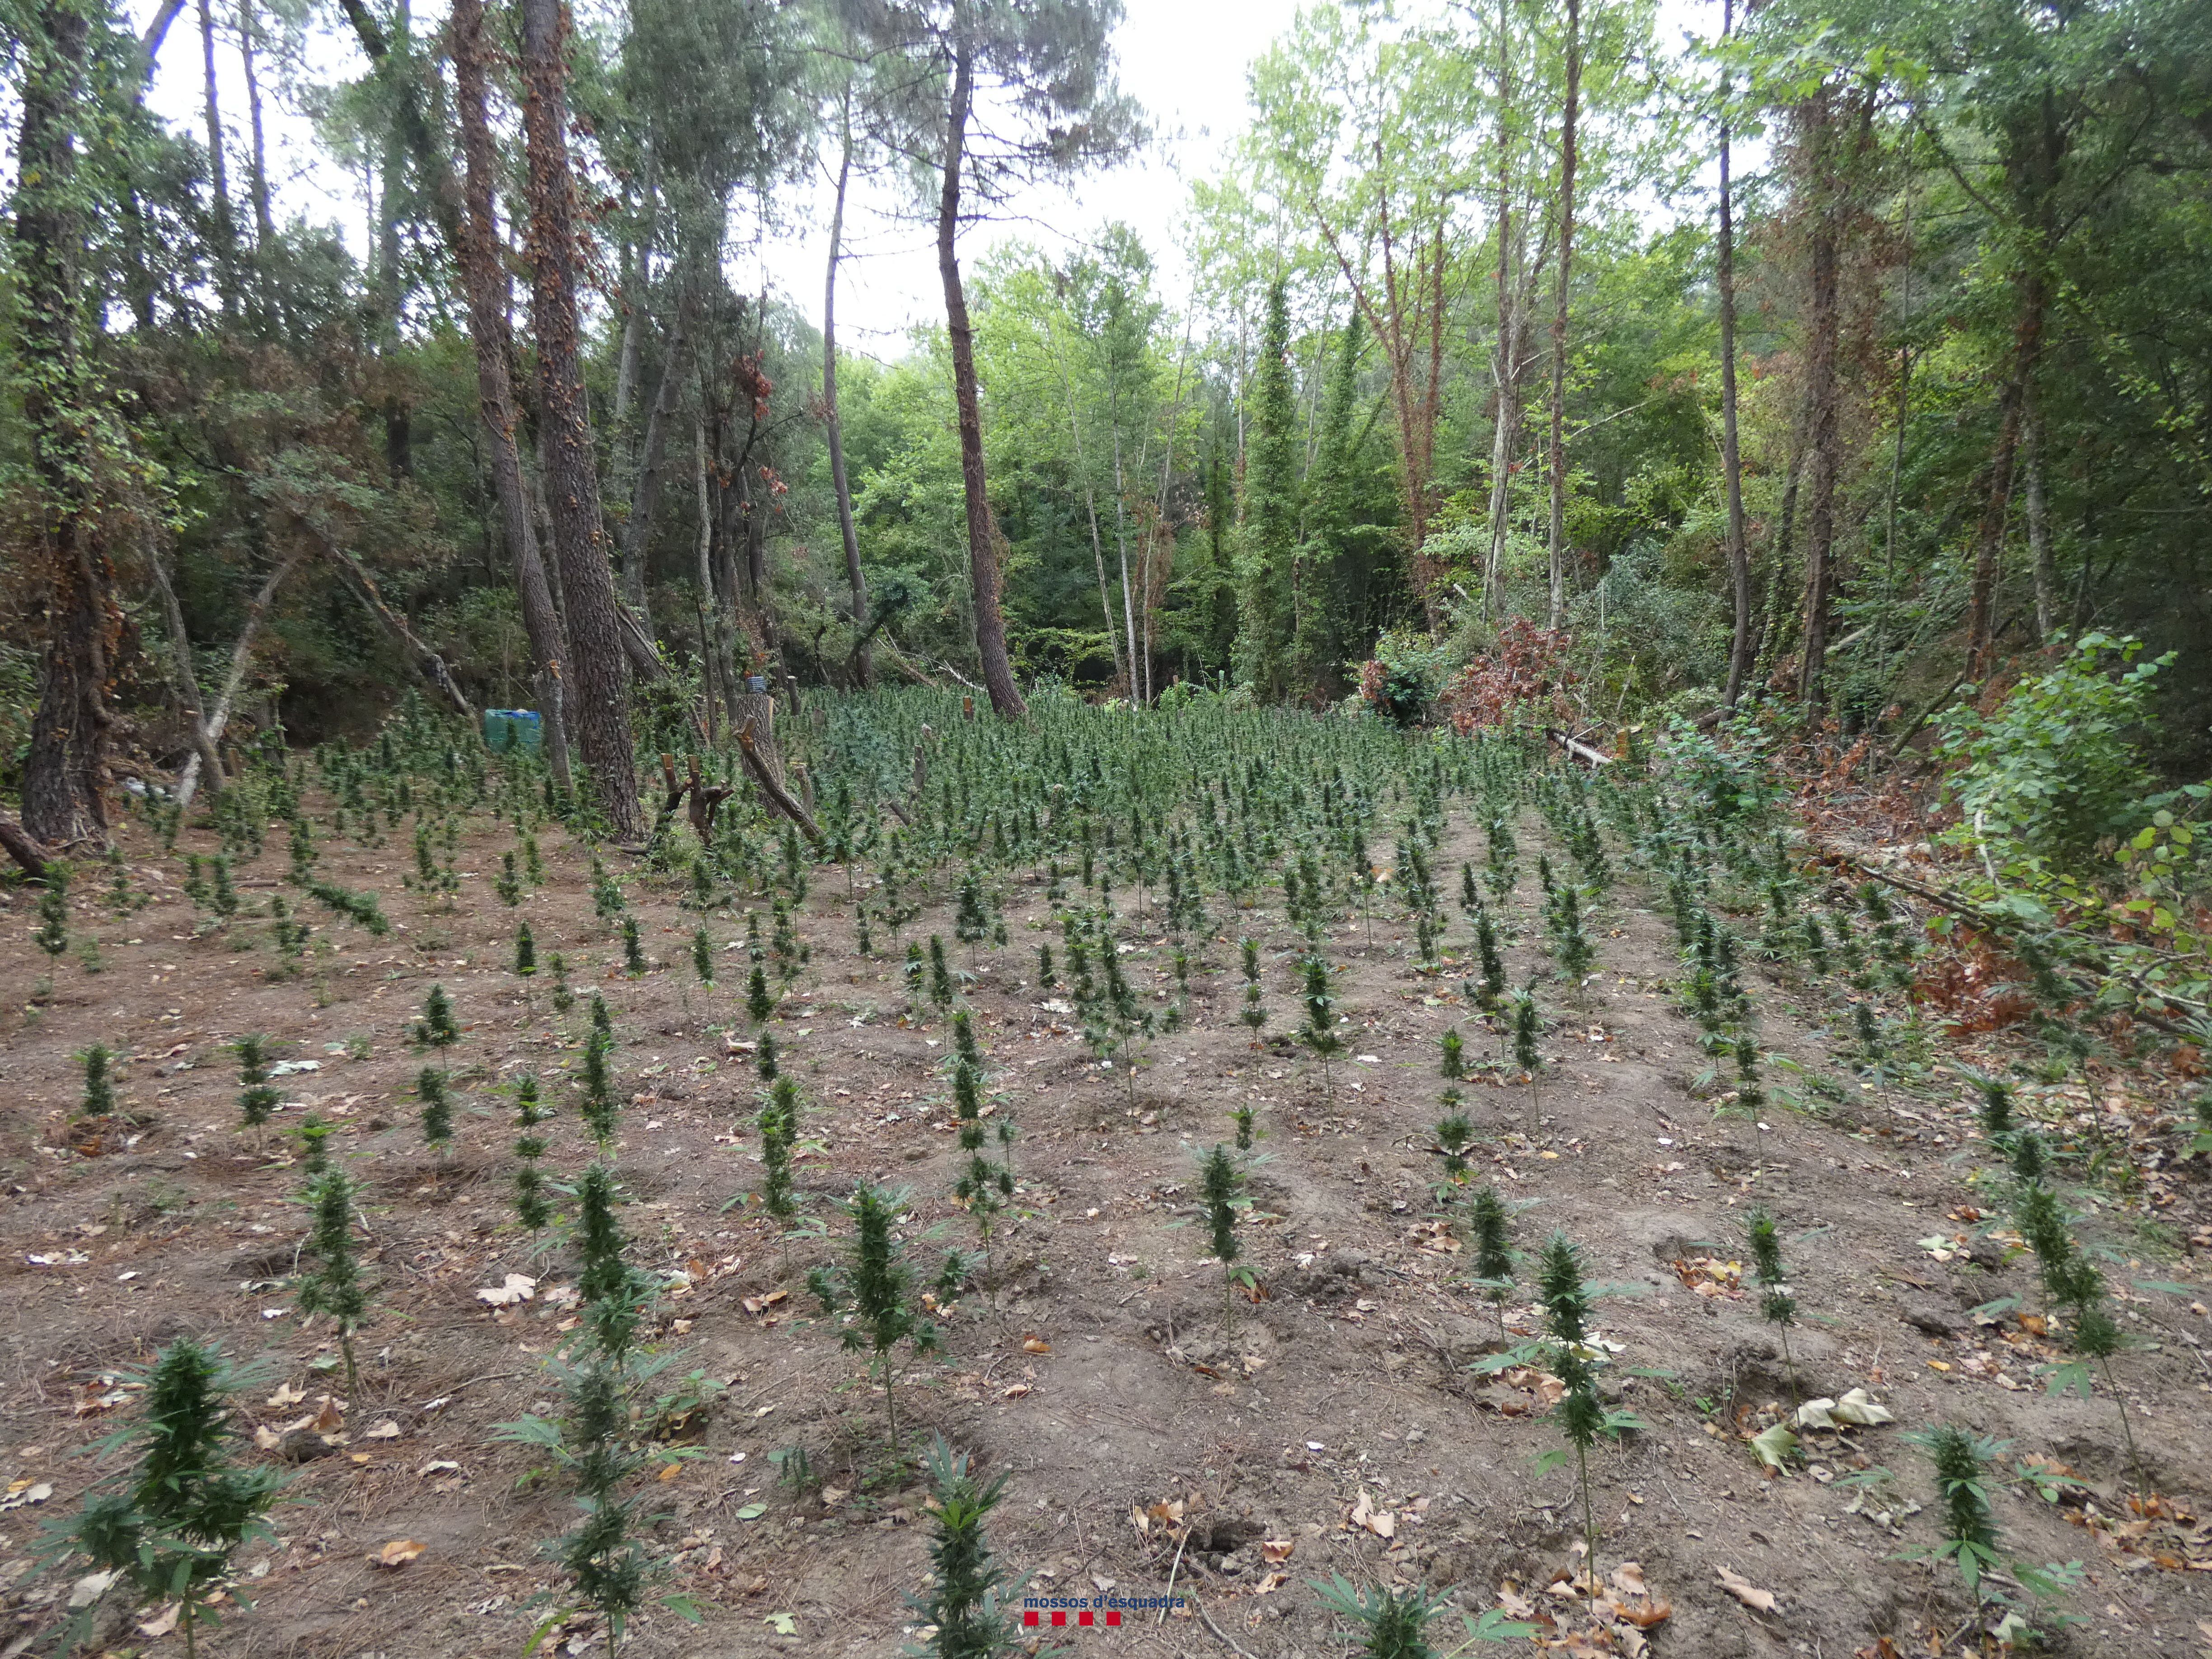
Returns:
(397, 1554)
(1744, 1591)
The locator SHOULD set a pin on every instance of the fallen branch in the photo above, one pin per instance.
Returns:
(241, 654)
(432, 666)
(22, 848)
(775, 792)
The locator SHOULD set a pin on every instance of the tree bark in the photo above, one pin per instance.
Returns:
(1557, 541)
(65, 773)
(1739, 550)
(833, 432)
(644, 496)
(188, 686)
(600, 682)
(1989, 551)
(1089, 502)
(241, 654)
(1823, 439)
(226, 228)
(2038, 519)
(265, 225)
(982, 553)
(476, 251)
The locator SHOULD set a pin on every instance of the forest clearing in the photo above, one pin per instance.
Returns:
(1355, 1392)
(1284, 829)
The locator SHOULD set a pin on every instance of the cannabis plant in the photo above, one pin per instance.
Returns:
(531, 1207)
(967, 1607)
(437, 1028)
(1777, 1306)
(871, 1294)
(169, 1528)
(99, 1097)
(329, 1278)
(1222, 1190)
(256, 1099)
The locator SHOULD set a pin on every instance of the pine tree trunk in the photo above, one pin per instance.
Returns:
(66, 769)
(483, 277)
(264, 226)
(600, 682)
(1739, 550)
(1823, 440)
(644, 496)
(226, 226)
(2038, 520)
(833, 432)
(982, 555)
(1989, 551)
(1558, 540)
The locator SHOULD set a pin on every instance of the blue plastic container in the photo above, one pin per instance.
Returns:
(506, 730)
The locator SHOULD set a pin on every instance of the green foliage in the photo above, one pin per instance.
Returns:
(2058, 765)
(437, 1028)
(967, 1605)
(171, 1526)
(98, 1099)
(437, 1108)
(331, 1281)
(256, 1100)
(1387, 1624)
(871, 1294)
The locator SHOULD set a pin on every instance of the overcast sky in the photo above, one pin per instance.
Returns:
(1183, 60)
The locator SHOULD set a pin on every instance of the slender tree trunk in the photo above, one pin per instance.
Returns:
(1505, 368)
(264, 227)
(241, 654)
(1823, 441)
(65, 773)
(1989, 551)
(477, 251)
(1121, 534)
(983, 553)
(645, 496)
(2039, 518)
(225, 225)
(833, 432)
(1558, 536)
(1089, 504)
(1739, 550)
(600, 684)
(188, 686)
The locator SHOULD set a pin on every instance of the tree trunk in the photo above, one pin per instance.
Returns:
(1558, 542)
(66, 770)
(226, 227)
(1090, 503)
(1823, 439)
(265, 225)
(1739, 550)
(1505, 367)
(644, 496)
(1981, 605)
(983, 553)
(188, 686)
(600, 682)
(241, 654)
(833, 434)
(2038, 519)
(476, 252)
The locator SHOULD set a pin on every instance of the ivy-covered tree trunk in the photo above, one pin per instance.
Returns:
(66, 770)
(483, 278)
(1271, 510)
(833, 433)
(1823, 456)
(600, 685)
(982, 555)
(1739, 550)
(1557, 541)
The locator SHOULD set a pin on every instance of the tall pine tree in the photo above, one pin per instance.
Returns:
(1271, 513)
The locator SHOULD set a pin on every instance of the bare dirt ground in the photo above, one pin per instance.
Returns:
(1334, 1427)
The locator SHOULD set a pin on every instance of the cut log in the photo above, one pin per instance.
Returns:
(772, 787)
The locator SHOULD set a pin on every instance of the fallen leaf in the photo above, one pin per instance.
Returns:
(90, 1587)
(669, 1472)
(752, 1511)
(1014, 1391)
(397, 1554)
(387, 1430)
(781, 1623)
(331, 1416)
(286, 1395)
(1035, 1345)
(164, 1621)
(267, 1438)
(519, 1288)
(1744, 1591)
(20, 1492)
(1275, 1551)
(439, 1466)
(1380, 1523)
(1774, 1445)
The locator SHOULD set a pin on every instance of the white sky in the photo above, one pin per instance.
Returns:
(1183, 60)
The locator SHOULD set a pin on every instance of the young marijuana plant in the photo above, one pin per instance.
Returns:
(1319, 1033)
(531, 1208)
(329, 1280)
(1970, 1540)
(1491, 1224)
(437, 1028)
(1387, 1624)
(614, 1293)
(1222, 1190)
(256, 1100)
(702, 956)
(169, 1528)
(871, 1294)
(1582, 1415)
(634, 961)
(437, 1109)
(1255, 1013)
(599, 1111)
(563, 998)
(779, 1130)
(969, 1593)
(526, 952)
(98, 1098)
(1777, 1306)
(1527, 1027)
